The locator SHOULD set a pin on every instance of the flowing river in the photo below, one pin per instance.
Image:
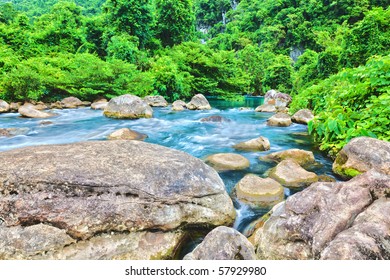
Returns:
(179, 130)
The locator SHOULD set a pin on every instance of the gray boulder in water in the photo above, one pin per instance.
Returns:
(128, 107)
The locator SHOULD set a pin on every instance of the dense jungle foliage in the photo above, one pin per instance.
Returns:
(331, 56)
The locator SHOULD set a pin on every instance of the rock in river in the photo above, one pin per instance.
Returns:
(127, 134)
(179, 105)
(266, 108)
(258, 144)
(228, 161)
(343, 220)
(128, 107)
(215, 119)
(156, 101)
(29, 111)
(100, 104)
(198, 102)
(223, 243)
(302, 116)
(72, 103)
(360, 155)
(259, 192)
(280, 119)
(4, 107)
(291, 175)
(304, 158)
(104, 195)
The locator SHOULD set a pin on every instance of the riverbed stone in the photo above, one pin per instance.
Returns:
(259, 192)
(198, 102)
(303, 116)
(291, 175)
(360, 155)
(100, 104)
(4, 107)
(72, 103)
(179, 105)
(215, 119)
(303, 157)
(227, 161)
(266, 108)
(339, 220)
(14, 106)
(40, 106)
(280, 119)
(277, 98)
(108, 188)
(13, 131)
(223, 243)
(156, 101)
(259, 144)
(28, 111)
(128, 107)
(127, 134)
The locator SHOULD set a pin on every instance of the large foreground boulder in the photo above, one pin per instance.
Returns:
(344, 220)
(223, 243)
(29, 111)
(156, 101)
(102, 194)
(128, 107)
(4, 107)
(360, 155)
(198, 102)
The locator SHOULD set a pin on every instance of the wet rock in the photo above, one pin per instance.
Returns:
(40, 106)
(223, 243)
(215, 118)
(179, 105)
(302, 157)
(280, 119)
(29, 111)
(342, 220)
(156, 101)
(228, 161)
(109, 188)
(360, 155)
(291, 175)
(266, 108)
(198, 102)
(259, 192)
(302, 116)
(4, 107)
(100, 104)
(72, 103)
(258, 144)
(14, 106)
(277, 98)
(56, 105)
(366, 239)
(46, 123)
(127, 134)
(326, 178)
(13, 131)
(128, 107)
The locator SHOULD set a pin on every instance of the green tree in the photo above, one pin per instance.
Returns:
(176, 21)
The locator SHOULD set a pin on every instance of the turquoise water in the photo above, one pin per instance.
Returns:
(178, 130)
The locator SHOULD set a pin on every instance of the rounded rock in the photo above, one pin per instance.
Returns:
(128, 107)
(258, 144)
(198, 102)
(127, 134)
(280, 119)
(227, 161)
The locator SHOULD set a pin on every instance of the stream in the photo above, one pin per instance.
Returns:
(179, 130)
